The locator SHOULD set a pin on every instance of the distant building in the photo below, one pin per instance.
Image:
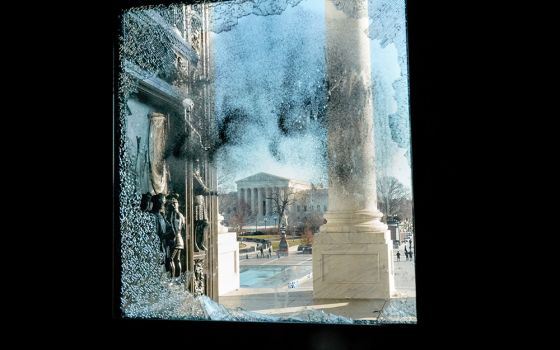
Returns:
(253, 202)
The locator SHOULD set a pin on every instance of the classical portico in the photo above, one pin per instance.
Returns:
(257, 190)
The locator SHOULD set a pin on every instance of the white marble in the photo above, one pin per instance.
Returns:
(352, 266)
(259, 188)
(352, 253)
(228, 260)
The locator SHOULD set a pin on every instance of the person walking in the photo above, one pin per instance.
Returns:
(398, 256)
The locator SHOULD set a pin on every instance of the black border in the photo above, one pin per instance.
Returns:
(431, 149)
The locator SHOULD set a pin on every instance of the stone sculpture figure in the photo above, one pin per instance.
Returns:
(157, 206)
(176, 229)
(146, 202)
(200, 212)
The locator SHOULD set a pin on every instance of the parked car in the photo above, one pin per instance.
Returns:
(307, 250)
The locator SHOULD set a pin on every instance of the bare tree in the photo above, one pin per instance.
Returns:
(226, 202)
(407, 226)
(281, 199)
(314, 221)
(405, 208)
(392, 196)
(222, 178)
(240, 214)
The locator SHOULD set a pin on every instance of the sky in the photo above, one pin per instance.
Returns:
(264, 62)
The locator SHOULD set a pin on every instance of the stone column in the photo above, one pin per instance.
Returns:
(259, 200)
(272, 194)
(268, 201)
(265, 196)
(253, 200)
(239, 197)
(247, 195)
(250, 201)
(263, 201)
(352, 255)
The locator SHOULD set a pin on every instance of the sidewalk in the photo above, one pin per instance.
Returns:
(253, 255)
(284, 301)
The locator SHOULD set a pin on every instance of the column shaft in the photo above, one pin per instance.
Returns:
(352, 254)
(259, 200)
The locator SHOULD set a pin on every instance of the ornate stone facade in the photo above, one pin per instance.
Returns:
(199, 285)
(166, 67)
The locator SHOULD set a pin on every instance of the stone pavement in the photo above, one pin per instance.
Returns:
(284, 301)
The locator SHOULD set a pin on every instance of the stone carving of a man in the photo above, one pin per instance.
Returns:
(200, 212)
(162, 226)
(177, 227)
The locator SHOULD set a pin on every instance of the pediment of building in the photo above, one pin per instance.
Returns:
(263, 179)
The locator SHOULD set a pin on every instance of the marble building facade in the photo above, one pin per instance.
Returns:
(255, 193)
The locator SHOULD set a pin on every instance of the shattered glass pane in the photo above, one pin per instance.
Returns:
(267, 65)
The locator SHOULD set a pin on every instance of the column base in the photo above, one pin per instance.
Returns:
(352, 261)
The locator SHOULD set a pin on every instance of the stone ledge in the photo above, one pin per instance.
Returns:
(342, 237)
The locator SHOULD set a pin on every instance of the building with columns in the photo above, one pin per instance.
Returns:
(253, 200)
(257, 190)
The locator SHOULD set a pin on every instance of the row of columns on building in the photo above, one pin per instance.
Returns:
(254, 198)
